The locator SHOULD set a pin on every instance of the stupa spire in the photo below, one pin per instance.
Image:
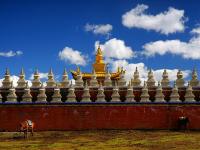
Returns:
(115, 95)
(56, 98)
(107, 81)
(159, 95)
(65, 80)
(165, 79)
(21, 82)
(12, 97)
(151, 80)
(86, 94)
(174, 97)
(145, 95)
(180, 81)
(189, 96)
(130, 95)
(36, 83)
(99, 65)
(27, 97)
(51, 81)
(93, 81)
(100, 95)
(194, 81)
(99, 51)
(136, 78)
(7, 81)
(41, 97)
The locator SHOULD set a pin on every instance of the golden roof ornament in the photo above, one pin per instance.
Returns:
(99, 51)
(78, 70)
(118, 69)
(99, 66)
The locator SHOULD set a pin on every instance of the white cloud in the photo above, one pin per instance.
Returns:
(72, 56)
(143, 70)
(115, 48)
(41, 74)
(188, 50)
(166, 22)
(196, 31)
(103, 29)
(11, 53)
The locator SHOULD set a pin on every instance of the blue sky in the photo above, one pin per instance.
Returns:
(36, 31)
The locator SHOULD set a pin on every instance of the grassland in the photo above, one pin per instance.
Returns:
(102, 139)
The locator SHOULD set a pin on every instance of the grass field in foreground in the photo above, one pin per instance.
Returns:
(101, 139)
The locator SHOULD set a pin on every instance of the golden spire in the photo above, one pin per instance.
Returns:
(78, 70)
(99, 51)
(99, 65)
(99, 56)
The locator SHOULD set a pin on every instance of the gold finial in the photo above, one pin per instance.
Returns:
(99, 51)
(78, 70)
(36, 72)
(93, 71)
(7, 72)
(22, 71)
(118, 69)
(65, 71)
(50, 71)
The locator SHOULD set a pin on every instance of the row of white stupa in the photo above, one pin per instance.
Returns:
(71, 97)
(135, 81)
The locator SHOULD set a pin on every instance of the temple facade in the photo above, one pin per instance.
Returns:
(100, 86)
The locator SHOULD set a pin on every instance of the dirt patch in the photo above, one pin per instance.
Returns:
(101, 139)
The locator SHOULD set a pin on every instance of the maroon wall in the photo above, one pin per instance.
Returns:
(98, 116)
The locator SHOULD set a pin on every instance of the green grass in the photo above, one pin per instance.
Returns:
(101, 139)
